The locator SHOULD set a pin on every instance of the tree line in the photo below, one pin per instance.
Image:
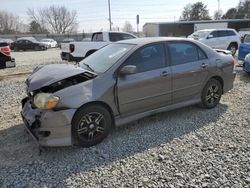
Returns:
(199, 11)
(52, 19)
(60, 20)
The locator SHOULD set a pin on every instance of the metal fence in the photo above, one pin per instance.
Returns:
(57, 37)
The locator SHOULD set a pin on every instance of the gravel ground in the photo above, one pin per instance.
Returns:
(189, 147)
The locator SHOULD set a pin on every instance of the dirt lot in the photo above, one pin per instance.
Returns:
(189, 147)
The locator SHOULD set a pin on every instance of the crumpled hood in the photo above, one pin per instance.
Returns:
(49, 74)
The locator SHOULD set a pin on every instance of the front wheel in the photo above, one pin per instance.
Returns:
(211, 94)
(232, 48)
(90, 125)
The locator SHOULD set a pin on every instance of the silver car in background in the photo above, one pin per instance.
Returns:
(120, 83)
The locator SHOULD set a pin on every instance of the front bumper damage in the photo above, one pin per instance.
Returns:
(47, 127)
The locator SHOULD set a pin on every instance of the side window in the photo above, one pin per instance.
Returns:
(223, 33)
(201, 54)
(97, 37)
(148, 58)
(182, 53)
(127, 36)
(115, 37)
(215, 34)
(21, 41)
(231, 33)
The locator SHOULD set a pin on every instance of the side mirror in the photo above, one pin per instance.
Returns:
(128, 69)
(210, 36)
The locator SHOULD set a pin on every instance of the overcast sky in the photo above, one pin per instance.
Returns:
(93, 14)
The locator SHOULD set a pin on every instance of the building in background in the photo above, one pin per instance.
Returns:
(185, 28)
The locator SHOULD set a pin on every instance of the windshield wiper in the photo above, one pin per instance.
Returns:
(89, 67)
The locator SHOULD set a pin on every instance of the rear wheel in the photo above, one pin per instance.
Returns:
(211, 94)
(233, 48)
(90, 125)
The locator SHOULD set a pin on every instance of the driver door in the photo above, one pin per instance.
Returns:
(213, 41)
(150, 87)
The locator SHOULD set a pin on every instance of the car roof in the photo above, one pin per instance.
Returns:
(148, 40)
(26, 38)
(227, 29)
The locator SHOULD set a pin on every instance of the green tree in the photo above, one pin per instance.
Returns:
(230, 14)
(196, 11)
(243, 10)
(37, 28)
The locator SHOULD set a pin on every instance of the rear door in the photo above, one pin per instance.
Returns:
(150, 87)
(223, 40)
(190, 67)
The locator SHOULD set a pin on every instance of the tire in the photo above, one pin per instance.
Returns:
(233, 48)
(90, 125)
(211, 94)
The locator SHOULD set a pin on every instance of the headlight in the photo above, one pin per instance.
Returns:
(45, 100)
(247, 58)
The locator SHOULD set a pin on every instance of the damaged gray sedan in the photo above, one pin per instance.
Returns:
(120, 83)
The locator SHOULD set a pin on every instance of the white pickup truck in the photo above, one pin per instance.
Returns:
(79, 50)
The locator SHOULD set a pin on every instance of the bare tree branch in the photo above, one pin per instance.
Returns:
(55, 19)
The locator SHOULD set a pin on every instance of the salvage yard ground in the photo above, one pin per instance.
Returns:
(189, 147)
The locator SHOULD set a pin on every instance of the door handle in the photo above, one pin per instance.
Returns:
(164, 73)
(204, 65)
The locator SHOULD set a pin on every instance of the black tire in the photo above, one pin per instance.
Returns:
(90, 125)
(233, 48)
(211, 94)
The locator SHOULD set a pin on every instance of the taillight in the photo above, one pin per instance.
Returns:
(5, 50)
(71, 48)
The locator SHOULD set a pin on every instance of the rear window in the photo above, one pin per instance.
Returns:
(97, 37)
(119, 36)
(226, 33)
(231, 33)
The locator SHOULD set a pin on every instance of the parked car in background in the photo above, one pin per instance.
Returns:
(64, 46)
(28, 43)
(244, 48)
(120, 83)
(226, 39)
(51, 43)
(244, 53)
(246, 64)
(80, 50)
(5, 59)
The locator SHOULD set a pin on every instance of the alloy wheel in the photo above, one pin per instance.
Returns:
(91, 126)
(213, 94)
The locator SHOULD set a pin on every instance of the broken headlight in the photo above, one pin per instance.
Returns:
(45, 100)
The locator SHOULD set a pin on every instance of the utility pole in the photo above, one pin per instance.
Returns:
(218, 6)
(110, 23)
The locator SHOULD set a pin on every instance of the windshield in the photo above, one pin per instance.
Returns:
(200, 34)
(103, 59)
(247, 39)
